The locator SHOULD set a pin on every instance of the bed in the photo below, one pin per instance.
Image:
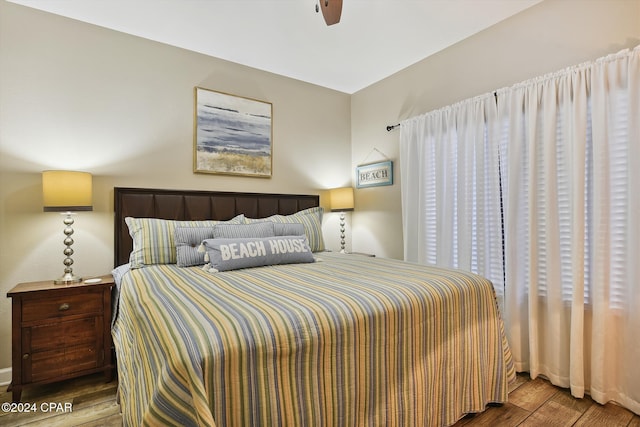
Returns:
(339, 340)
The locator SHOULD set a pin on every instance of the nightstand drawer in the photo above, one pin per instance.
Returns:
(65, 305)
(64, 334)
(54, 363)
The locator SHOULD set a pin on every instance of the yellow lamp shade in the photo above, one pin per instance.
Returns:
(66, 191)
(341, 199)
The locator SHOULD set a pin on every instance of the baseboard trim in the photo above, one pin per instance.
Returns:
(5, 376)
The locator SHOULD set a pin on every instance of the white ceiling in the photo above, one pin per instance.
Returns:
(374, 39)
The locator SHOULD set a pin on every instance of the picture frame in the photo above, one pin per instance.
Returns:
(374, 174)
(232, 135)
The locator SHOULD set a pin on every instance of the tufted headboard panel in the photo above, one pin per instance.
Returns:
(195, 205)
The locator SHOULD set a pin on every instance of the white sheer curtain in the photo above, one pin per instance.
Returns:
(568, 187)
(544, 148)
(571, 154)
(451, 189)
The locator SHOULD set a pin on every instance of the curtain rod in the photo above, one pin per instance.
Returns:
(392, 127)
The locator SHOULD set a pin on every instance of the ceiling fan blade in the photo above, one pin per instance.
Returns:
(331, 11)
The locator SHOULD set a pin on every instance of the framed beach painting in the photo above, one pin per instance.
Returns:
(232, 135)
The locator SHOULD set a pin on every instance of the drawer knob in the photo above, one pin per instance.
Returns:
(25, 356)
(64, 307)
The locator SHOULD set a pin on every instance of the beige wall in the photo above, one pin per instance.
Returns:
(76, 96)
(549, 36)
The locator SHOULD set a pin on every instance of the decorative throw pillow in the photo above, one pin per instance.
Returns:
(310, 218)
(154, 239)
(234, 231)
(234, 254)
(288, 229)
(188, 240)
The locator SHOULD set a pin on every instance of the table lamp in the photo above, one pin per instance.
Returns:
(67, 192)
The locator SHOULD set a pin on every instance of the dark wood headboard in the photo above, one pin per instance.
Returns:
(196, 205)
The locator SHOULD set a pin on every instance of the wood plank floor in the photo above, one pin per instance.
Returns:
(531, 403)
(539, 403)
(93, 403)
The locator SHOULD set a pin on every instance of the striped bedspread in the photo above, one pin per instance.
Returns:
(346, 341)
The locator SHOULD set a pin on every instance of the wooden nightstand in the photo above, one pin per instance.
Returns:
(60, 332)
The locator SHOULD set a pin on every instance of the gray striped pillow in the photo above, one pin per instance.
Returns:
(187, 240)
(310, 218)
(288, 229)
(238, 231)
